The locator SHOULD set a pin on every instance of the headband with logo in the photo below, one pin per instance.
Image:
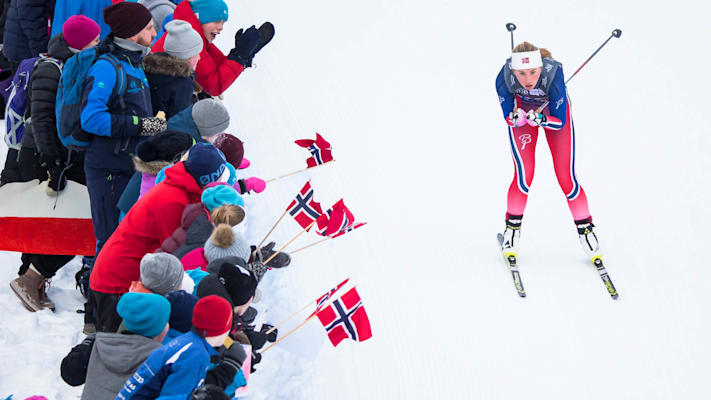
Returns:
(526, 59)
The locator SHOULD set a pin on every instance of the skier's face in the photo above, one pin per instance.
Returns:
(528, 77)
(212, 29)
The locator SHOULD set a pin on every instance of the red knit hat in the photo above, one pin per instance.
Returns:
(212, 316)
(79, 31)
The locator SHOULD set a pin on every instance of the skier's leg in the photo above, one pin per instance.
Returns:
(562, 145)
(522, 141)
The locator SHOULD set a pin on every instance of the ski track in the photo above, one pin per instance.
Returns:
(404, 90)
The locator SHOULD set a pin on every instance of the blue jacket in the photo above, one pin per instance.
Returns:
(89, 8)
(25, 33)
(116, 127)
(184, 122)
(171, 372)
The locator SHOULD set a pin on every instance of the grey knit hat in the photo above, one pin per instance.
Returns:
(181, 40)
(226, 241)
(161, 273)
(211, 117)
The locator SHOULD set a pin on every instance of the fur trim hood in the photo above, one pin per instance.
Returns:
(150, 167)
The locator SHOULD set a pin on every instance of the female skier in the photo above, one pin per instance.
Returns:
(530, 78)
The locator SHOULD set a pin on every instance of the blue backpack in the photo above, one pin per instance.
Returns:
(16, 107)
(69, 96)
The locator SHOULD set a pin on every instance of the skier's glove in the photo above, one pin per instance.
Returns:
(152, 126)
(535, 119)
(516, 119)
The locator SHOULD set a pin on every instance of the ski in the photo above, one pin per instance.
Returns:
(597, 262)
(510, 260)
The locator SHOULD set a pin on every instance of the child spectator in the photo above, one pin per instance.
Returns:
(224, 241)
(171, 75)
(181, 313)
(161, 273)
(201, 120)
(116, 356)
(180, 366)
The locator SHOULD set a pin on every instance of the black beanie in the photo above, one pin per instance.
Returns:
(240, 283)
(166, 146)
(126, 19)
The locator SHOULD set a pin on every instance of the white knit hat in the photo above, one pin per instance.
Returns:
(526, 59)
(181, 40)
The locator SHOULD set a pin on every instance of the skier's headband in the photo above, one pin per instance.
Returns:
(526, 60)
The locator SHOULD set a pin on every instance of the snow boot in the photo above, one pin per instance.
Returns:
(30, 289)
(587, 237)
(512, 234)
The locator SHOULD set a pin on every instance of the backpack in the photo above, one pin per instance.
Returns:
(69, 96)
(17, 105)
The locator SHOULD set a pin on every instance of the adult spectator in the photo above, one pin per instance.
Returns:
(26, 34)
(93, 9)
(113, 120)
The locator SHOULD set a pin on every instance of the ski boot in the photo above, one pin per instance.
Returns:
(587, 237)
(511, 235)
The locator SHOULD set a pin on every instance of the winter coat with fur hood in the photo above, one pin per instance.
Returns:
(172, 83)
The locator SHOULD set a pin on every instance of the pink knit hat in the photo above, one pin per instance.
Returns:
(79, 31)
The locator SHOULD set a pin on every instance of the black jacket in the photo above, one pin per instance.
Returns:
(42, 98)
(172, 83)
(26, 34)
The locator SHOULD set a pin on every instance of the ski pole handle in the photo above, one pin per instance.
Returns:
(510, 26)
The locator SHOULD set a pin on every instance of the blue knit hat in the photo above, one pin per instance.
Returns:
(205, 163)
(219, 195)
(143, 313)
(209, 10)
(181, 310)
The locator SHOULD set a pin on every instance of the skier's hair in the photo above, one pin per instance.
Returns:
(229, 214)
(526, 46)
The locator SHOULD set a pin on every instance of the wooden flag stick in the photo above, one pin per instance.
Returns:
(289, 242)
(312, 244)
(272, 230)
(288, 334)
(301, 170)
(277, 326)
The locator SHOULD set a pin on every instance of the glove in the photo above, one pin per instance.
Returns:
(258, 339)
(256, 358)
(535, 119)
(255, 184)
(516, 119)
(151, 126)
(235, 356)
(244, 164)
(55, 169)
(258, 268)
(245, 46)
(281, 260)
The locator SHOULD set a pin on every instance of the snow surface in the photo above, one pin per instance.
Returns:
(404, 90)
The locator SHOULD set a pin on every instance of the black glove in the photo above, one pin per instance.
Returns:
(152, 126)
(258, 339)
(256, 358)
(248, 316)
(76, 363)
(235, 356)
(281, 260)
(245, 46)
(57, 172)
(266, 34)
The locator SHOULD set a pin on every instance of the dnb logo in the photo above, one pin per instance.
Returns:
(525, 60)
(525, 139)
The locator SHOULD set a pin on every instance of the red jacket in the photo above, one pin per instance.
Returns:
(215, 72)
(151, 220)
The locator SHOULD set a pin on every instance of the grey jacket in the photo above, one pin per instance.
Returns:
(115, 357)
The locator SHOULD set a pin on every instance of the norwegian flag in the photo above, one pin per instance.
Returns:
(323, 299)
(304, 209)
(345, 318)
(320, 150)
(524, 60)
(335, 220)
(350, 228)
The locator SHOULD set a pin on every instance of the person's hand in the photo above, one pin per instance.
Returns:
(516, 119)
(255, 184)
(152, 126)
(246, 44)
(57, 179)
(244, 163)
(535, 119)
(235, 355)
(281, 260)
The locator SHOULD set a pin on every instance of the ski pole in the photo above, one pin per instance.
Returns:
(511, 27)
(615, 33)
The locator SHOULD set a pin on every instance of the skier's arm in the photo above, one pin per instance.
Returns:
(558, 106)
(95, 116)
(506, 98)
